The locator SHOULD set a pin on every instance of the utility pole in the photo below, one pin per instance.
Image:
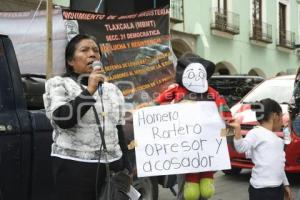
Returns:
(49, 57)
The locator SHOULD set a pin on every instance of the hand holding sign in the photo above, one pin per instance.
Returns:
(235, 128)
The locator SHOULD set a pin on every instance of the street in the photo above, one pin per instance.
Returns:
(235, 187)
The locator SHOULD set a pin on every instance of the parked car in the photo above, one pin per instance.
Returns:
(279, 89)
(234, 87)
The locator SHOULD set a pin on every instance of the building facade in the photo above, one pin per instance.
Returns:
(255, 37)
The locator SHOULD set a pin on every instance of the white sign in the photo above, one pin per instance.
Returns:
(179, 138)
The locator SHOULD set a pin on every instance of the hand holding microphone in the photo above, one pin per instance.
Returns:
(96, 77)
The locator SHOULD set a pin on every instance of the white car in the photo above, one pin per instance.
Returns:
(280, 89)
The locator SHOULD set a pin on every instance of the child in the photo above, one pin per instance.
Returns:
(268, 179)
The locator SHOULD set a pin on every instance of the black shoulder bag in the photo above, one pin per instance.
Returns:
(117, 185)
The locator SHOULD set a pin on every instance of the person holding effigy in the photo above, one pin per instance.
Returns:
(192, 74)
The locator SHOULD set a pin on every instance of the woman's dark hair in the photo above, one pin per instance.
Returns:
(71, 48)
(264, 108)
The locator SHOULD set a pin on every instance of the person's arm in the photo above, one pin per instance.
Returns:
(120, 127)
(242, 145)
(291, 111)
(66, 116)
(124, 148)
(285, 180)
(287, 190)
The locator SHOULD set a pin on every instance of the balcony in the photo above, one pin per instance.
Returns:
(176, 8)
(261, 32)
(286, 39)
(225, 21)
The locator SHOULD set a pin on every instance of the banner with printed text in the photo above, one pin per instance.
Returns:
(179, 138)
(135, 49)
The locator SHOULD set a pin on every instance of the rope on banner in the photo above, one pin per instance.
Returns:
(33, 17)
(98, 7)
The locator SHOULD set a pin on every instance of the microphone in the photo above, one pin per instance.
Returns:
(97, 64)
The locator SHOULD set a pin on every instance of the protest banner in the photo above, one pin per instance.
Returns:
(179, 138)
(135, 49)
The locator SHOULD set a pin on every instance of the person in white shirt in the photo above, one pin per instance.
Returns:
(268, 179)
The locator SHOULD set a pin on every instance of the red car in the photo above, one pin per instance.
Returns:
(279, 89)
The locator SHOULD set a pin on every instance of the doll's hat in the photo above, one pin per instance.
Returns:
(189, 58)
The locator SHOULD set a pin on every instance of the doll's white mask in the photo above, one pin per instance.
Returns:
(194, 78)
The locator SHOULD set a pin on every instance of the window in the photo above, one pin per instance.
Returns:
(257, 10)
(261, 31)
(221, 15)
(176, 10)
(222, 6)
(257, 18)
(286, 38)
(282, 24)
(223, 19)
